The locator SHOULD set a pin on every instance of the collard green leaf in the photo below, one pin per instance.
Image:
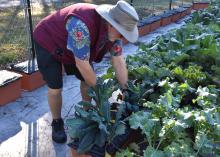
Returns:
(75, 122)
(151, 152)
(181, 146)
(171, 126)
(203, 144)
(74, 125)
(105, 111)
(81, 112)
(145, 122)
(120, 129)
(100, 138)
(87, 142)
(85, 104)
(103, 128)
(138, 118)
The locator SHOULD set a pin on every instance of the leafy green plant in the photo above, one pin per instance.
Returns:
(182, 119)
(172, 98)
(95, 123)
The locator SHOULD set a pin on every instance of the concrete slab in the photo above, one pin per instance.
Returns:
(25, 129)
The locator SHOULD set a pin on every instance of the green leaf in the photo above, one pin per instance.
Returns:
(75, 122)
(175, 44)
(91, 92)
(108, 76)
(182, 146)
(144, 121)
(124, 153)
(202, 144)
(87, 142)
(85, 103)
(105, 111)
(81, 112)
(74, 125)
(151, 152)
(120, 129)
(138, 118)
(101, 138)
(103, 128)
(171, 126)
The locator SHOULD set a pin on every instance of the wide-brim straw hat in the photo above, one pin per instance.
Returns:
(122, 17)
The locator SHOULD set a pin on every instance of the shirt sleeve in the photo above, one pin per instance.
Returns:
(116, 49)
(78, 40)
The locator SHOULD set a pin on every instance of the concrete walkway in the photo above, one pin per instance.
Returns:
(25, 129)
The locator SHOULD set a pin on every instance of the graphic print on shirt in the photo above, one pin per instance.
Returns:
(116, 49)
(78, 38)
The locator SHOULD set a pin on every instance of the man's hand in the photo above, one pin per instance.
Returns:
(86, 71)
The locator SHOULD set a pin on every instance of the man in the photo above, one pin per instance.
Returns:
(76, 36)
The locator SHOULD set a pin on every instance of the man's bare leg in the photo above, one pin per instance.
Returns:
(55, 103)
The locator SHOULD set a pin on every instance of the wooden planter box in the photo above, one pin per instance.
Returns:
(10, 86)
(182, 11)
(166, 18)
(200, 5)
(188, 8)
(154, 22)
(176, 17)
(143, 28)
(32, 78)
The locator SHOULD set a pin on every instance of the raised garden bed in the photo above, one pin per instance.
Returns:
(149, 24)
(176, 15)
(154, 22)
(143, 28)
(166, 18)
(188, 7)
(182, 11)
(200, 5)
(10, 86)
(32, 78)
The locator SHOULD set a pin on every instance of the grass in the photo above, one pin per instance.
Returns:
(13, 35)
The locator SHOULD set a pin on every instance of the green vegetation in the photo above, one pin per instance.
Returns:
(172, 99)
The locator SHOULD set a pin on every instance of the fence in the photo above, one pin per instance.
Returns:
(15, 43)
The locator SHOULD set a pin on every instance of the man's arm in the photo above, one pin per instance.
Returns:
(119, 64)
(78, 42)
(121, 71)
(86, 71)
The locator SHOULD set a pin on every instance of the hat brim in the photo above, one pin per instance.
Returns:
(131, 36)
